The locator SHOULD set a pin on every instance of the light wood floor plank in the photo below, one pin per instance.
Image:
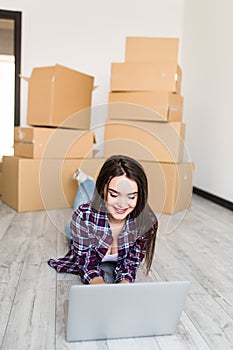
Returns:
(32, 320)
(171, 268)
(13, 247)
(6, 216)
(149, 343)
(213, 211)
(216, 326)
(197, 256)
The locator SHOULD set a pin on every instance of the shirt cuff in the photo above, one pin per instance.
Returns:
(90, 275)
(124, 276)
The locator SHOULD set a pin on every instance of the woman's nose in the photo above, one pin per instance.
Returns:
(122, 201)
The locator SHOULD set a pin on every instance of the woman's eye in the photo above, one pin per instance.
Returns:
(113, 195)
(131, 197)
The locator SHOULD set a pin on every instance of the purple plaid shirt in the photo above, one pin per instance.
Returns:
(91, 239)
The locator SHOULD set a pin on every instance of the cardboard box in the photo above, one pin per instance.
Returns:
(149, 49)
(134, 76)
(169, 184)
(154, 141)
(38, 184)
(41, 184)
(145, 106)
(59, 96)
(37, 142)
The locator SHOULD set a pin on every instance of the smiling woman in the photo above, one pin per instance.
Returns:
(117, 226)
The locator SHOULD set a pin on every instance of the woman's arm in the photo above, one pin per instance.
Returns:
(84, 249)
(127, 268)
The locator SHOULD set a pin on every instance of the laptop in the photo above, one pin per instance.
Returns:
(111, 311)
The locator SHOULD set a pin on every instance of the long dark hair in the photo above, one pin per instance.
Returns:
(118, 165)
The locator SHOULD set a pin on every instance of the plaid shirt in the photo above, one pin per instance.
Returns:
(91, 239)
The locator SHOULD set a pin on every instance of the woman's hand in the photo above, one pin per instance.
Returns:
(124, 281)
(97, 280)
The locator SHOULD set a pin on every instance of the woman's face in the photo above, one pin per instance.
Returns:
(121, 197)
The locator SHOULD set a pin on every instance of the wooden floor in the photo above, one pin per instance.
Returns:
(195, 245)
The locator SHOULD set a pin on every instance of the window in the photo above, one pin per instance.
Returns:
(10, 61)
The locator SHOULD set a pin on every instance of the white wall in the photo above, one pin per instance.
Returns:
(207, 63)
(89, 35)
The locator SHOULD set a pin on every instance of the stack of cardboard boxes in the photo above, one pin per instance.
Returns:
(39, 175)
(144, 122)
(145, 119)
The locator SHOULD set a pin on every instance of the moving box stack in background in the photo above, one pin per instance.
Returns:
(145, 119)
(39, 175)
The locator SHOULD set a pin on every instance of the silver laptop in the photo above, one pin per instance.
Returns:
(125, 310)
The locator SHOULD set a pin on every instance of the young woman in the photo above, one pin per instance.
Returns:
(113, 233)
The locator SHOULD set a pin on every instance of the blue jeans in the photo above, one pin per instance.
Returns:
(108, 268)
(83, 195)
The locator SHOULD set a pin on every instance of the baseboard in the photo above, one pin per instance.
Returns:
(215, 199)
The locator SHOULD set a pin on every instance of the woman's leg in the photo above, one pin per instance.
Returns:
(84, 195)
(108, 268)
